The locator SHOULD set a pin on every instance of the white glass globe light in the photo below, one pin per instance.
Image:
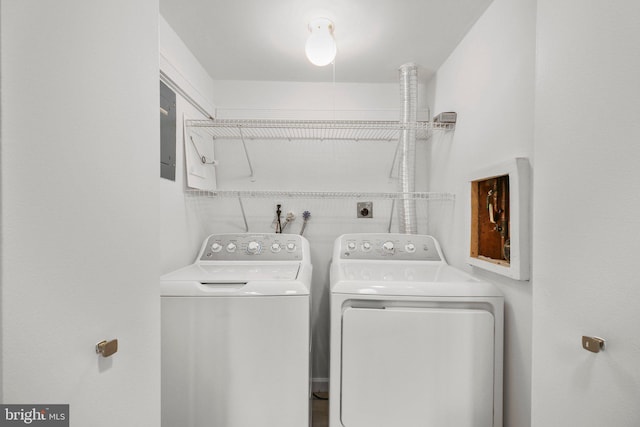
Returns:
(321, 46)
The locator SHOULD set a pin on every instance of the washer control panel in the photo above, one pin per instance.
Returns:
(401, 247)
(252, 247)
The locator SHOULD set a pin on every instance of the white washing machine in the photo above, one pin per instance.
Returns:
(414, 342)
(235, 334)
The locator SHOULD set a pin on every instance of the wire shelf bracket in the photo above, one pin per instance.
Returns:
(246, 153)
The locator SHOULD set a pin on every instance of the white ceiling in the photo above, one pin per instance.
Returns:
(264, 39)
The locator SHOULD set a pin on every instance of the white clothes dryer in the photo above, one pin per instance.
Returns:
(414, 341)
(235, 334)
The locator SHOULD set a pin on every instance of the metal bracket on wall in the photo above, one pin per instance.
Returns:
(393, 162)
(244, 215)
(393, 207)
(246, 153)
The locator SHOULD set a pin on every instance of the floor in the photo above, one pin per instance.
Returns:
(320, 409)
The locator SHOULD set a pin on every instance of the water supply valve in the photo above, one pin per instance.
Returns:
(365, 209)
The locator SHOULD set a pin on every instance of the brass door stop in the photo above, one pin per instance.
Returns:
(107, 348)
(592, 344)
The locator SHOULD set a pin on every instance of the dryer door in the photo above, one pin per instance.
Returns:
(417, 366)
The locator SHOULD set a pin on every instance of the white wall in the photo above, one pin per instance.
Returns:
(177, 61)
(587, 213)
(79, 204)
(489, 81)
(181, 230)
(1, 212)
(309, 166)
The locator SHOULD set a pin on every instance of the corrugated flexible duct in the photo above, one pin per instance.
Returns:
(407, 155)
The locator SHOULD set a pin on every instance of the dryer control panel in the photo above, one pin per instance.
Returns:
(382, 246)
(252, 247)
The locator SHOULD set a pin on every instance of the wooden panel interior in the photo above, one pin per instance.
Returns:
(490, 219)
(474, 218)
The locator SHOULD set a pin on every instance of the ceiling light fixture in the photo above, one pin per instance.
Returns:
(321, 46)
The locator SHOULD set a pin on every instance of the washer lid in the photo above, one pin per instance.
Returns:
(406, 279)
(235, 272)
(237, 279)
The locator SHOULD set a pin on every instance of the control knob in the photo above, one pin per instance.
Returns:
(216, 247)
(291, 247)
(366, 246)
(387, 247)
(253, 248)
(351, 246)
(410, 247)
(231, 247)
(275, 247)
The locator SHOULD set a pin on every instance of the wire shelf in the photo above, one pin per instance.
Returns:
(264, 194)
(314, 129)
